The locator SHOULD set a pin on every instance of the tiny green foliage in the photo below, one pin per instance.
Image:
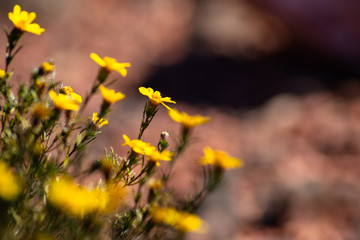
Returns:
(43, 139)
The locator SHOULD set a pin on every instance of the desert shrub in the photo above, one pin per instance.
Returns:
(43, 139)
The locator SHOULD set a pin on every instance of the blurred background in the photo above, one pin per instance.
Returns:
(279, 78)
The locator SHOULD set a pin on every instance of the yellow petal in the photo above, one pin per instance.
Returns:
(17, 9)
(146, 91)
(109, 95)
(76, 96)
(31, 17)
(97, 59)
(64, 102)
(167, 99)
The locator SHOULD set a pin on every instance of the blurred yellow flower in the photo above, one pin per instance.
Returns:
(47, 67)
(220, 159)
(40, 111)
(110, 64)
(180, 220)
(99, 121)
(155, 97)
(78, 201)
(116, 193)
(138, 146)
(155, 184)
(148, 150)
(10, 186)
(41, 236)
(40, 85)
(22, 20)
(64, 102)
(67, 90)
(156, 156)
(109, 95)
(186, 120)
(74, 199)
(2, 73)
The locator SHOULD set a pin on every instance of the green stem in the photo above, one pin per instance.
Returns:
(13, 39)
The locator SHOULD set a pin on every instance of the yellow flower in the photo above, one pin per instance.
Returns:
(220, 159)
(155, 184)
(138, 146)
(41, 236)
(186, 120)
(40, 111)
(155, 97)
(110, 64)
(156, 156)
(22, 20)
(116, 193)
(2, 74)
(99, 121)
(182, 221)
(148, 150)
(10, 186)
(109, 95)
(67, 90)
(78, 201)
(40, 84)
(73, 199)
(47, 67)
(64, 102)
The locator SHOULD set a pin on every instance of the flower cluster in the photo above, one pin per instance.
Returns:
(44, 135)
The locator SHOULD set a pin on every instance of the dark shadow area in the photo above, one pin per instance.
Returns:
(243, 83)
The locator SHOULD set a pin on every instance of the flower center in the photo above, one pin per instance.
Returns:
(156, 96)
(109, 63)
(21, 24)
